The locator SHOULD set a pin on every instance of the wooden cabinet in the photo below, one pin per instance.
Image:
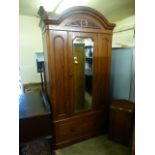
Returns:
(77, 50)
(121, 121)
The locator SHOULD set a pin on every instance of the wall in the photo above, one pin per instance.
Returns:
(30, 41)
(124, 32)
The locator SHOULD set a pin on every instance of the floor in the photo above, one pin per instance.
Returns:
(95, 146)
(99, 145)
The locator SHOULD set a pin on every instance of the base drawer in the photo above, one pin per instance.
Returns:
(74, 128)
(77, 128)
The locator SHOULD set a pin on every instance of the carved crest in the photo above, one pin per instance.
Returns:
(83, 23)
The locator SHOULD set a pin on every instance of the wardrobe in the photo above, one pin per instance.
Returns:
(77, 50)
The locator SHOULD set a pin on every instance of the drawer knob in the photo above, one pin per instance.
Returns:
(72, 129)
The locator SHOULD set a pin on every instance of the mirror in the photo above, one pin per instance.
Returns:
(83, 49)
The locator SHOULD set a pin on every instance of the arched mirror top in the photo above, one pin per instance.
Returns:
(81, 17)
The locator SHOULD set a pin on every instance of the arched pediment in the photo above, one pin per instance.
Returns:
(81, 13)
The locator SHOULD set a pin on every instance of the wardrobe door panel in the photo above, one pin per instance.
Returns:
(60, 86)
(101, 83)
(82, 47)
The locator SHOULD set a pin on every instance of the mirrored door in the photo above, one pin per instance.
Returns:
(83, 58)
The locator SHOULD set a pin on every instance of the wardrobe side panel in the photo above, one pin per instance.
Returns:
(46, 63)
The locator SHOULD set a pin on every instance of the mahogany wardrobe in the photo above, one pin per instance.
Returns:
(77, 49)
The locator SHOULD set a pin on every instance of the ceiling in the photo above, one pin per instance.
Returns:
(113, 10)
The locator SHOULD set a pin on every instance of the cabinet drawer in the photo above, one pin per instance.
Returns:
(80, 127)
(73, 129)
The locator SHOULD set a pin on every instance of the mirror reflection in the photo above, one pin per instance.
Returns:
(83, 49)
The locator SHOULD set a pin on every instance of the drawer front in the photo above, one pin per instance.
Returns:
(80, 127)
(73, 129)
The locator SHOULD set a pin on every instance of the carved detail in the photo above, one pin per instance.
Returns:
(83, 23)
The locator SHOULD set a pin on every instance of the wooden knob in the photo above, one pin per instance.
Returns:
(72, 129)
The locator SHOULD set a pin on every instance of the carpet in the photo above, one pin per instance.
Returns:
(37, 147)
